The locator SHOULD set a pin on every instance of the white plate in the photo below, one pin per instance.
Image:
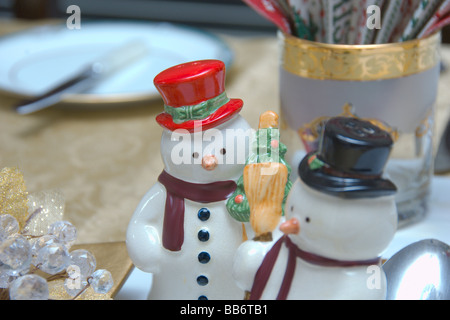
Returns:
(36, 60)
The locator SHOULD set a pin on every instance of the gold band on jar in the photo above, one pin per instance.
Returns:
(358, 62)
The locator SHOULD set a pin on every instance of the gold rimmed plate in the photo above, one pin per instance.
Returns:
(36, 60)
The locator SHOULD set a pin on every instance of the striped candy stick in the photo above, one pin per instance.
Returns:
(391, 17)
(271, 13)
(406, 11)
(300, 12)
(358, 14)
(316, 14)
(338, 16)
(364, 35)
(420, 18)
(443, 22)
(435, 20)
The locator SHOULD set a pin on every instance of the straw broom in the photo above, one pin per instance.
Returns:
(264, 185)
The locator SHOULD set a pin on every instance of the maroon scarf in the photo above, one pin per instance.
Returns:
(264, 271)
(177, 191)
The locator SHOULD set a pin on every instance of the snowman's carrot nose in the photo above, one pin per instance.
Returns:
(209, 162)
(291, 226)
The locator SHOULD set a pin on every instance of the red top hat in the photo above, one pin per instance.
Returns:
(194, 96)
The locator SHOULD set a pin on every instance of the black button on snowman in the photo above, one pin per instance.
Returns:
(340, 216)
(203, 257)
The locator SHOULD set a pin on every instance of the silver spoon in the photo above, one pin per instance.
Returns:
(419, 271)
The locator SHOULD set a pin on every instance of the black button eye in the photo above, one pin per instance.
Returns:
(195, 155)
(307, 219)
(223, 151)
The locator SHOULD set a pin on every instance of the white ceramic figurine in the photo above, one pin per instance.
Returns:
(341, 216)
(181, 231)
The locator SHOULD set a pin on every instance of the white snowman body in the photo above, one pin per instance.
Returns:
(202, 268)
(334, 228)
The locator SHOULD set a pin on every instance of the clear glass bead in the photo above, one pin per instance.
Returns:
(53, 258)
(39, 243)
(5, 280)
(8, 226)
(74, 286)
(15, 255)
(29, 287)
(102, 281)
(85, 261)
(64, 231)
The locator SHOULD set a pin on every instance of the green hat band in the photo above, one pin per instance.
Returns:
(197, 112)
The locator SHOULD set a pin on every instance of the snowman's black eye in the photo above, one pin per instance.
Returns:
(292, 209)
(307, 219)
(223, 151)
(195, 155)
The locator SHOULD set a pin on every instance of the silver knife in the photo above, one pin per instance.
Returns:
(87, 77)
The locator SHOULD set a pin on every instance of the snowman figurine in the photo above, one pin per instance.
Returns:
(341, 216)
(181, 231)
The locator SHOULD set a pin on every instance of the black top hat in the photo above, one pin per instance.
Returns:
(350, 160)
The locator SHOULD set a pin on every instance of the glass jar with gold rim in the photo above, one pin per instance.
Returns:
(393, 85)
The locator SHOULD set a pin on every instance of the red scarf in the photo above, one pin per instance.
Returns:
(177, 191)
(264, 271)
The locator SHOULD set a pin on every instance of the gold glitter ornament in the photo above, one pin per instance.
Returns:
(13, 195)
(45, 208)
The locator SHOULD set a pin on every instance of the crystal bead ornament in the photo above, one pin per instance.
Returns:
(75, 287)
(53, 258)
(40, 242)
(64, 231)
(29, 287)
(5, 280)
(81, 275)
(102, 281)
(85, 261)
(15, 255)
(8, 226)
